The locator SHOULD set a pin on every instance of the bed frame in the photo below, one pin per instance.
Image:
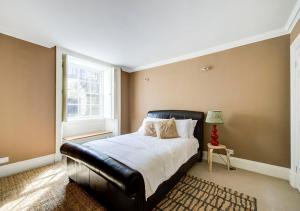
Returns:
(117, 186)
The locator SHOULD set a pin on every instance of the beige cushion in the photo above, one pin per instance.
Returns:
(149, 129)
(166, 129)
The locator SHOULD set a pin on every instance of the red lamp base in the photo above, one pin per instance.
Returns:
(214, 136)
(214, 142)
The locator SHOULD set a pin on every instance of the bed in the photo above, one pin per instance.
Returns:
(133, 178)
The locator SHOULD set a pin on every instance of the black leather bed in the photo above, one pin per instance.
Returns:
(118, 186)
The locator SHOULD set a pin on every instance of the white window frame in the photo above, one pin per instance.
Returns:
(107, 72)
(59, 94)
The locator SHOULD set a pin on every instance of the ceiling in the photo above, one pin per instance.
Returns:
(135, 33)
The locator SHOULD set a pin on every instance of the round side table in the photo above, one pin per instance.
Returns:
(210, 150)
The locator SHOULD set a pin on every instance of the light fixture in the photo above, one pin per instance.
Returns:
(206, 68)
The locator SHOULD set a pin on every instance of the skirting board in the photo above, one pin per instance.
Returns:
(249, 165)
(14, 168)
(294, 180)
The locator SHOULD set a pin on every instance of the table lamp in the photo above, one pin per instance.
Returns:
(214, 118)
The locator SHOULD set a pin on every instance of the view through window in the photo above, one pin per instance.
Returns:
(88, 89)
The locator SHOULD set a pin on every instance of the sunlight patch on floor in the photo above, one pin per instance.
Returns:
(46, 181)
(24, 202)
(24, 196)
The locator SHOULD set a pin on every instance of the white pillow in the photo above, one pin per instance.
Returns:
(192, 128)
(183, 126)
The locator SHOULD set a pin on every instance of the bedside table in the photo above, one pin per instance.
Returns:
(210, 149)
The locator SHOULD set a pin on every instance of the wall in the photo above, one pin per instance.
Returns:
(250, 84)
(83, 126)
(27, 90)
(124, 102)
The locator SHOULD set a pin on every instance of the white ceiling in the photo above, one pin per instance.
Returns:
(135, 33)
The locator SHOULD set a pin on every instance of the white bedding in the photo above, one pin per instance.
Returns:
(156, 159)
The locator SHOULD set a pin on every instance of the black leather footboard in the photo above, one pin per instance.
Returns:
(114, 184)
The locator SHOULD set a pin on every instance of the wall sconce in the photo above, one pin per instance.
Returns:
(147, 79)
(206, 68)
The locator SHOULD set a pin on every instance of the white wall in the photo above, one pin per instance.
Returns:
(74, 128)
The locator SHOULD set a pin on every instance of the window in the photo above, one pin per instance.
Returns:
(88, 89)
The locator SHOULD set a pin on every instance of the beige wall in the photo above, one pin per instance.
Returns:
(27, 90)
(124, 102)
(250, 84)
(27, 87)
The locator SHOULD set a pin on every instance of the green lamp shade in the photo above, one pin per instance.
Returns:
(214, 117)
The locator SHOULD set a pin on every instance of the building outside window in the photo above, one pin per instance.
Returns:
(87, 90)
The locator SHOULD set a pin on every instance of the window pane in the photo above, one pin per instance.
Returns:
(95, 88)
(92, 76)
(84, 110)
(83, 87)
(88, 90)
(72, 110)
(95, 110)
(72, 84)
(94, 99)
(84, 98)
(72, 72)
(72, 98)
(83, 74)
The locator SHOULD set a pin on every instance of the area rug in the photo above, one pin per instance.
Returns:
(192, 193)
(48, 188)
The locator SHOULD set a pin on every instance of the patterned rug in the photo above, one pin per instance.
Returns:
(192, 193)
(48, 188)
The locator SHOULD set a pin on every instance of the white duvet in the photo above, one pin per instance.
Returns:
(156, 159)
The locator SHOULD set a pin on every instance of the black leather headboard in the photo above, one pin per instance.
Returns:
(183, 114)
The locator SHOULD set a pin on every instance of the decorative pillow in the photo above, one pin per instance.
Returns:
(141, 130)
(185, 127)
(166, 129)
(149, 129)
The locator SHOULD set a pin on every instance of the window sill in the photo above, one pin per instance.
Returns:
(88, 135)
(85, 119)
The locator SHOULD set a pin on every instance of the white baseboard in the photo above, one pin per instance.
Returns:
(258, 167)
(298, 182)
(14, 168)
(292, 179)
